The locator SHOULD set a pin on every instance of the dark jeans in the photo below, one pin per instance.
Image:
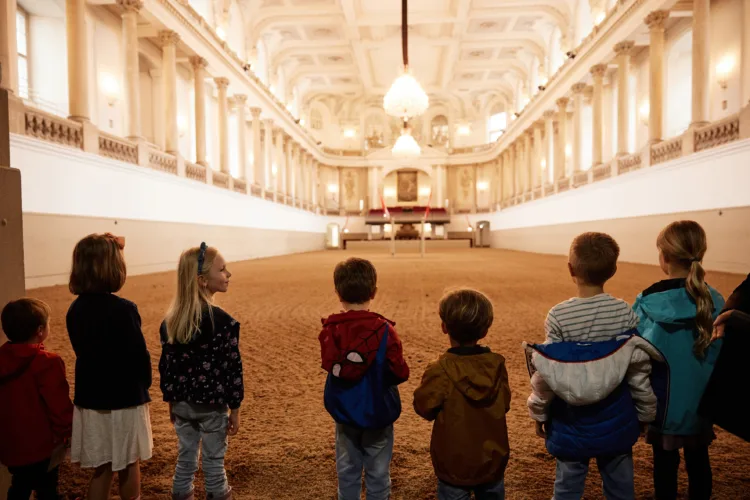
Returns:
(34, 477)
(666, 466)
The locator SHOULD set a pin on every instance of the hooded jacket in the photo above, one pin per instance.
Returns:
(592, 394)
(667, 320)
(364, 359)
(466, 393)
(36, 413)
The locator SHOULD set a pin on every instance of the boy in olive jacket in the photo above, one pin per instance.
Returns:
(466, 393)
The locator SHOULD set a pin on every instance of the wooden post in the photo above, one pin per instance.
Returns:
(421, 246)
(393, 238)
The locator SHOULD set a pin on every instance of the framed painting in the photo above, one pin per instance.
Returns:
(407, 186)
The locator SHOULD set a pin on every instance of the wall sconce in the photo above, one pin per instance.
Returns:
(568, 150)
(724, 70)
(361, 205)
(389, 192)
(543, 163)
(424, 191)
(302, 121)
(483, 186)
(464, 129)
(349, 133)
(470, 229)
(182, 125)
(274, 169)
(110, 88)
(643, 112)
(333, 188)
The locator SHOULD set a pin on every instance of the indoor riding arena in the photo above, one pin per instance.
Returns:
(451, 143)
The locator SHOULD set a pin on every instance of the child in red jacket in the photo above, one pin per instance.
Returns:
(37, 414)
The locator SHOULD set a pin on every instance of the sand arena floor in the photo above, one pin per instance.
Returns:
(285, 447)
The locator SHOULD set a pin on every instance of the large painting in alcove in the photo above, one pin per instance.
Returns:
(407, 186)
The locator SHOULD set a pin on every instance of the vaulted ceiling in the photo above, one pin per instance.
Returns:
(463, 52)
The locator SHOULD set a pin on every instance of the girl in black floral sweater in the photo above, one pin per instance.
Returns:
(201, 372)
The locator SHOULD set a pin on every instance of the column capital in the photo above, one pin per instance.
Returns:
(539, 124)
(255, 112)
(130, 5)
(240, 99)
(578, 88)
(656, 19)
(588, 92)
(598, 70)
(562, 103)
(197, 62)
(624, 47)
(268, 123)
(168, 38)
(221, 82)
(549, 114)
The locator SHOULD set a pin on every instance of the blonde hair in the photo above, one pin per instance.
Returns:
(683, 243)
(184, 317)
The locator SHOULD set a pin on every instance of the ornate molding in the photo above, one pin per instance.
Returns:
(197, 62)
(169, 38)
(599, 70)
(221, 82)
(624, 47)
(656, 19)
(255, 112)
(562, 103)
(240, 99)
(131, 5)
(549, 114)
(578, 88)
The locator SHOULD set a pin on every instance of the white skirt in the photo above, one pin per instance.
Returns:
(119, 437)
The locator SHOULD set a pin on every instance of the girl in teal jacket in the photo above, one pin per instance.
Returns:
(676, 315)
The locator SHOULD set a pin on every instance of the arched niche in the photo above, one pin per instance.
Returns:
(376, 132)
(440, 131)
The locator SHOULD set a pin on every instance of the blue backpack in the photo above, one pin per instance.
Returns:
(369, 403)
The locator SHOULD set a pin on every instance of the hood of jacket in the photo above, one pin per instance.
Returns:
(350, 341)
(668, 302)
(583, 373)
(475, 372)
(17, 358)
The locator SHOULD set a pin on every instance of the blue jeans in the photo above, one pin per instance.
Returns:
(369, 449)
(492, 491)
(204, 428)
(616, 472)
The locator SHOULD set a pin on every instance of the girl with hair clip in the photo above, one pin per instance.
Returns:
(677, 315)
(201, 372)
(111, 421)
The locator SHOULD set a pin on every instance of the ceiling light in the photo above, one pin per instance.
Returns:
(406, 147)
(406, 98)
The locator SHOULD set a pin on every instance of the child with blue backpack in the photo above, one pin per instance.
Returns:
(677, 316)
(591, 395)
(364, 359)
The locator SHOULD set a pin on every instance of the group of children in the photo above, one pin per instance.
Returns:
(606, 374)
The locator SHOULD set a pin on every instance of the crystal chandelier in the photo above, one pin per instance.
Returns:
(405, 99)
(406, 147)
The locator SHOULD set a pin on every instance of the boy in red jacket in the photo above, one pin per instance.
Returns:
(37, 414)
(362, 354)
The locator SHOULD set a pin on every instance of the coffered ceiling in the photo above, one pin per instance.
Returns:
(463, 52)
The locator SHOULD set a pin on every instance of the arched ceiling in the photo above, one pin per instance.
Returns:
(463, 52)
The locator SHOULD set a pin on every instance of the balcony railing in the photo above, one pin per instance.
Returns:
(666, 150)
(51, 128)
(718, 133)
(159, 160)
(117, 149)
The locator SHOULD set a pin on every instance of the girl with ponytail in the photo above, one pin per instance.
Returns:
(201, 372)
(677, 315)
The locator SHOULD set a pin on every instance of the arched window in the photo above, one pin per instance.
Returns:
(439, 132)
(497, 123)
(316, 119)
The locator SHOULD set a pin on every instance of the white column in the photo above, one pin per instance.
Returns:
(597, 113)
(256, 172)
(549, 145)
(655, 22)
(701, 60)
(527, 161)
(314, 184)
(169, 40)
(240, 100)
(439, 198)
(279, 181)
(78, 64)
(511, 173)
(268, 160)
(374, 182)
(745, 50)
(293, 169)
(562, 138)
(8, 47)
(157, 110)
(132, 72)
(222, 84)
(578, 90)
(536, 169)
(199, 82)
(623, 50)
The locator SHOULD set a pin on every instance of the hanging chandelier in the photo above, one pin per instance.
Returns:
(405, 99)
(406, 147)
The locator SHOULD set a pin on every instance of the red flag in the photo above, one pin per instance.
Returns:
(386, 213)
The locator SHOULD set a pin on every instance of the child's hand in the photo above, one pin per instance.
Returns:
(541, 429)
(719, 324)
(234, 422)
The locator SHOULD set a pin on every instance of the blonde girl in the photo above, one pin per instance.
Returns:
(677, 316)
(111, 422)
(201, 372)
